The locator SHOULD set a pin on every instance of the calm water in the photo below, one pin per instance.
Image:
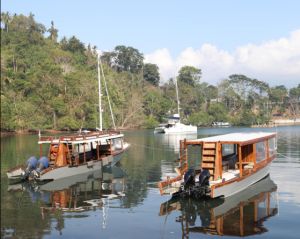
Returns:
(124, 201)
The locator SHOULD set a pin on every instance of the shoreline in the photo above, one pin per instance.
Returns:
(48, 131)
(52, 131)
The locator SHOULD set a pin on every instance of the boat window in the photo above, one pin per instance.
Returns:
(229, 156)
(194, 153)
(272, 146)
(84, 147)
(228, 149)
(260, 151)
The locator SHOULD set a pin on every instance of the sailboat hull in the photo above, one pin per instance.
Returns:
(180, 128)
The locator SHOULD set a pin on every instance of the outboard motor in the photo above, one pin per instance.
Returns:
(204, 178)
(192, 187)
(43, 163)
(31, 165)
(202, 187)
(189, 178)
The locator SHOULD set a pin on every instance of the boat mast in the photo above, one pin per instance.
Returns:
(99, 94)
(109, 104)
(176, 86)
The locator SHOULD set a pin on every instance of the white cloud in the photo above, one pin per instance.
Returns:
(163, 59)
(275, 61)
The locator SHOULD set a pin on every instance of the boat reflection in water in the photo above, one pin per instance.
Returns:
(76, 194)
(173, 140)
(240, 215)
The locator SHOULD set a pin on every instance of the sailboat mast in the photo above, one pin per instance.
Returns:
(99, 94)
(178, 103)
(109, 104)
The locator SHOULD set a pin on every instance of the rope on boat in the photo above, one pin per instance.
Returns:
(153, 148)
(287, 157)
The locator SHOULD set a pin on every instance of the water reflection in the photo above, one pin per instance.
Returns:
(145, 163)
(240, 215)
(172, 141)
(74, 195)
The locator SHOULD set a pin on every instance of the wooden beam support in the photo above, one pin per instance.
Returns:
(84, 156)
(218, 159)
(241, 220)
(98, 148)
(41, 150)
(267, 149)
(240, 160)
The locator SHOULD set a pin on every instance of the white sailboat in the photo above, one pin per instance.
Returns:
(174, 126)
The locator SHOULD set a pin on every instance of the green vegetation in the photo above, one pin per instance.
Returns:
(46, 84)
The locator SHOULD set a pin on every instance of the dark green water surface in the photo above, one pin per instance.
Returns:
(124, 201)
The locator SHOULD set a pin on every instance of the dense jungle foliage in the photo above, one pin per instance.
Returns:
(51, 84)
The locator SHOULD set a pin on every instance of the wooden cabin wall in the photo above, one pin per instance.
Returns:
(61, 159)
(218, 162)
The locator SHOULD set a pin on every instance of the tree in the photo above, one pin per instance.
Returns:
(190, 75)
(73, 44)
(209, 92)
(107, 58)
(278, 96)
(201, 119)
(295, 92)
(294, 95)
(151, 73)
(278, 93)
(246, 118)
(244, 86)
(218, 112)
(155, 104)
(53, 32)
(240, 91)
(125, 59)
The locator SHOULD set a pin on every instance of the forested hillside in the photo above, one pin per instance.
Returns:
(51, 84)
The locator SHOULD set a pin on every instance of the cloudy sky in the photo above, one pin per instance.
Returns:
(260, 39)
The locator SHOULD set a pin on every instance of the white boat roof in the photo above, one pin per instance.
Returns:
(237, 137)
(79, 139)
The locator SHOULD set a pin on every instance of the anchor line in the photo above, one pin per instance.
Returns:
(159, 148)
(151, 147)
(284, 156)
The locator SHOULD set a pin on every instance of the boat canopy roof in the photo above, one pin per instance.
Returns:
(80, 138)
(237, 138)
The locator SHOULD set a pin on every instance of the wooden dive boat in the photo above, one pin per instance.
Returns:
(71, 155)
(221, 165)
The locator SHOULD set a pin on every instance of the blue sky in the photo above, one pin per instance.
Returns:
(171, 33)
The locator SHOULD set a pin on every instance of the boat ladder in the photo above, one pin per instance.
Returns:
(209, 153)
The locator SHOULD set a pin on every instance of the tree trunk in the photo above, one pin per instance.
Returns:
(54, 120)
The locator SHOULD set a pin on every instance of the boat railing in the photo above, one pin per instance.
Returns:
(79, 137)
(48, 138)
